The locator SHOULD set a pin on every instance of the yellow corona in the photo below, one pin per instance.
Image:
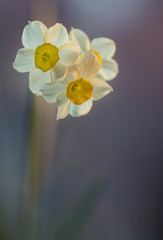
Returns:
(46, 56)
(79, 91)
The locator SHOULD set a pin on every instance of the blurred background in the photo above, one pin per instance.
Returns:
(99, 176)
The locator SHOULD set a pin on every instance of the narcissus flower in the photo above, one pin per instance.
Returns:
(104, 49)
(46, 53)
(76, 91)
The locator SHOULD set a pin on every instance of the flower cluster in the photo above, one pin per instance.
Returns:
(67, 69)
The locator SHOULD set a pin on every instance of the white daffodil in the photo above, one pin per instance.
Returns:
(104, 49)
(75, 92)
(46, 53)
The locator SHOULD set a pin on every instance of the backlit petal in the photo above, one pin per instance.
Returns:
(63, 106)
(81, 38)
(24, 61)
(56, 35)
(108, 70)
(72, 73)
(33, 34)
(90, 64)
(104, 46)
(79, 110)
(100, 88)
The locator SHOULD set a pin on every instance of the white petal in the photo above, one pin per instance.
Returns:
(81, 38)
(90, 64)
(108, 70)
(63, 110)
(104, 46)
(63, 106)
(79, 110)
(58, 71)
(24, 61)
(33, 34)
(69, 53)
(37, 79)
(50, 91)
(62, 98)
(56, 35)
(100, 88)
(72, 73)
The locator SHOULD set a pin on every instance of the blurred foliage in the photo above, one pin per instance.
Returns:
(71, 227)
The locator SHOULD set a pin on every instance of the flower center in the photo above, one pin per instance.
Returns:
(46, 56)
(79, 91)
(98, 56)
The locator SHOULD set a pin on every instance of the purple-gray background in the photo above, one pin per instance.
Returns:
(120, 140)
